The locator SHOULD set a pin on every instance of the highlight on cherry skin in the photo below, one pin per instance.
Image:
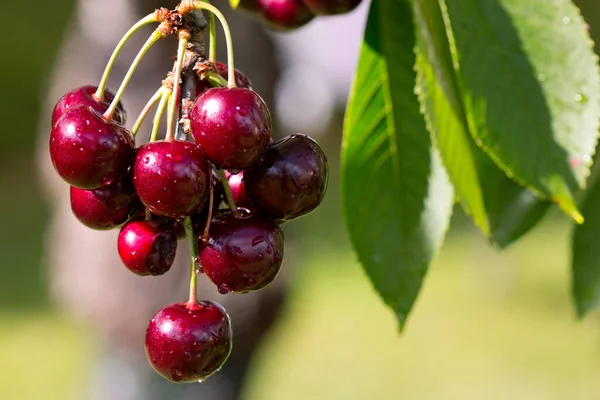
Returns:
(188, 342)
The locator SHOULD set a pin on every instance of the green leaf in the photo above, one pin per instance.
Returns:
(586, 254)
(502, 209)
(530, 87)
(396, 195)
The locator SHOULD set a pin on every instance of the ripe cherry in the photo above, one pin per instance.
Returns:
(232, 126)
(171, 178)
(189, 342)
(84, 96)
(89, 152)
(284, 14)
(243, 253)
(147, 247)
(238, 191)
(291, 180)
(107, 207)
(240, 79)
(331, 7)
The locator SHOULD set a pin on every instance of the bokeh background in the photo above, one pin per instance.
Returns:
(487, 324)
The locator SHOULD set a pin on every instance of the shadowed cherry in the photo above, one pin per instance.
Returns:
(237, 189)
(189, 343)
(240, 79)
(89, 152)
(243, 253)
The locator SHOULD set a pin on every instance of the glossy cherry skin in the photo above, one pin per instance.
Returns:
(107, 207)
(171, 178)
(84, 96)
(89, 152)
(147, 247)
(240, 79)
(292, 179)
(232, 126)
(243, 254)
(284, 14)
(238, 190)
(189, 343)
(331, 7)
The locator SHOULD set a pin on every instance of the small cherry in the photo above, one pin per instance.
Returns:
(331, 7)
(291, 180)
(187, 342)
(84, 96)
(89, 152)
(171, 178)
(107, 207)
(231, 125)
(147, 247)
(284, 14)
(243, 253)
(237, 189)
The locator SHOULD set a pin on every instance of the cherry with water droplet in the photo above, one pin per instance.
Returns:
(147, 247)
(89, 152)
(243, 253)
(232, 126)
(189, 342)
(84, 96)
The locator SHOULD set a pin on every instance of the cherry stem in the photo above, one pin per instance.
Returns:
(148, 215)
(230, 62)
(151, 103)
(156, 35)
(212, 29)
(211, 202)
(183, 41)
(166, 94)
(148, 19)
(227, 190)
(215, 79)
(189, 233)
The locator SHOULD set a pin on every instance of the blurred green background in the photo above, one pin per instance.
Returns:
(487, 325)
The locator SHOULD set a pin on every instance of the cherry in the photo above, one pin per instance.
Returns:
(331, 7)
(85, 96)
(240, 79)
(87, 151)
(237, 189)
(284, 14)
(147, 247)
(189, 342)
(107, 207)
(232, 126)
(171, 178)
(291, 180)
(243, 253)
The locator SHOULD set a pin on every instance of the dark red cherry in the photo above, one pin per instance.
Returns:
(232, 126)
(240, 79)
(243, 253)
(84, 96)
(147, 247)
(89, 152)
(238, 191)
(291, 180)
(331, 7)
(284, 14)
(189, 343)
(107, 207)
(171, 178)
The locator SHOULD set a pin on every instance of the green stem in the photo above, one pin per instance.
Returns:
(212, 29)
(140, 120)
(211, 202)
(156, 35)
(215, 79)
(189, 232)
(183, 41)
(227, 190)
(148, 19)
(230, 62)
(166, 94)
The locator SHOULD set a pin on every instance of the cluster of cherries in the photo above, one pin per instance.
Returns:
(227, 191)
(291, 14)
